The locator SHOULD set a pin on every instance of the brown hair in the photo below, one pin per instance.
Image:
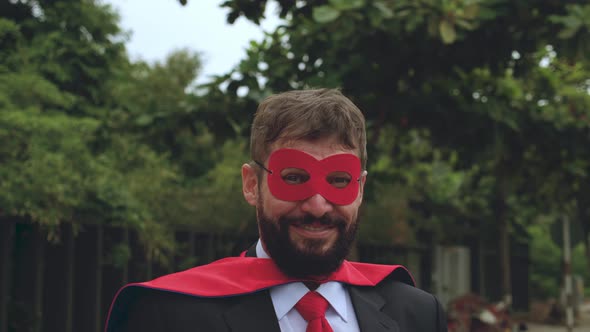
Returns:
(307, 115)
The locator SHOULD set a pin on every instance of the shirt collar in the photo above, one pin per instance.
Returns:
(285, 297)
(335, 293)
(260, 252)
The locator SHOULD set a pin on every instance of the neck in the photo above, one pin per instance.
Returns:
(311, 285)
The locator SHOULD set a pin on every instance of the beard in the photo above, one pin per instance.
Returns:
(308, 258)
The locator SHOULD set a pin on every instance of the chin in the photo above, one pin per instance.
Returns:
(313, 247)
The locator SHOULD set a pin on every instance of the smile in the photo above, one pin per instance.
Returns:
(315, 230)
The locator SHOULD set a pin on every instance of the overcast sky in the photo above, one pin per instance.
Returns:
(160, 26)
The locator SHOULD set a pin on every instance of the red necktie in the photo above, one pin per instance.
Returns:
(312, 308)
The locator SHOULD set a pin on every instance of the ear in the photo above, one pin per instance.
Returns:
(249, 184)
(362, 183)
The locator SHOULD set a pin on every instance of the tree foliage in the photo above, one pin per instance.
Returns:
(496, 90)
(90, 137)
(478, 114)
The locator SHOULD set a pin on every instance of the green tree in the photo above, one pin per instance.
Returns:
(499, 85)
(62, 158)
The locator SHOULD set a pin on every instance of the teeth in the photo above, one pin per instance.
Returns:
(312, 228)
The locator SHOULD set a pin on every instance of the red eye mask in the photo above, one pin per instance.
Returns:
(295, 175)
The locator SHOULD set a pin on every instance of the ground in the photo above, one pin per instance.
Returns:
(582, 323)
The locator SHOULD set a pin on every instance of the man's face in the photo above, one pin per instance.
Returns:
(309, 236)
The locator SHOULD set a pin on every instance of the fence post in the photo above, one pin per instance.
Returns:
(567, 257)
(6, 252)
(39, 260)
(69, 275)
(98, 271)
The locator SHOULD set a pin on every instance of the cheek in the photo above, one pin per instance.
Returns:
(274, 207)
(349, 212)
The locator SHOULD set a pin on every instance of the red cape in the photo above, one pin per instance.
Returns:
(235, 276)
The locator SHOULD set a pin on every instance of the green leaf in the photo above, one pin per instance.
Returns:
(433, 27)
(347, 4)
(471, 11)
(386, 12)
(465, 24)
(567, 33)
(447, 32)
(325, 14)
(144, 120)
(375, 17)
(8, 27)
(487, 13)
(571, 22)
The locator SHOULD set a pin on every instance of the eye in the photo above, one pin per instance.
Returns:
(339, 179)
(294, 176)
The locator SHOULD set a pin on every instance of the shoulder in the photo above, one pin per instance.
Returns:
(412, 308)
(391, 288)
(146, 309)
(173, 304)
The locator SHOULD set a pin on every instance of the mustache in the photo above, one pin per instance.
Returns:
(309, 219)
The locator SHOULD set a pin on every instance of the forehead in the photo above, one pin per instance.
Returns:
(319, 148)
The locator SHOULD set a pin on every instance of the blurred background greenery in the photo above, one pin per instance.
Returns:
(478, 117)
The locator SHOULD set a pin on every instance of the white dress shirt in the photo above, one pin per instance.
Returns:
(340, 313)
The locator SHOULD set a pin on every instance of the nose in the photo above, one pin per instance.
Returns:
(317, 206)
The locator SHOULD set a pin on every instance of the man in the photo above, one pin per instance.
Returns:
(306, 181)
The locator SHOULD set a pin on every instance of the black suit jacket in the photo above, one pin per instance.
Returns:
(390, 306)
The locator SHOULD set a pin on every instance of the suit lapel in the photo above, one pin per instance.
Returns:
(254, 312)
(367, 306)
